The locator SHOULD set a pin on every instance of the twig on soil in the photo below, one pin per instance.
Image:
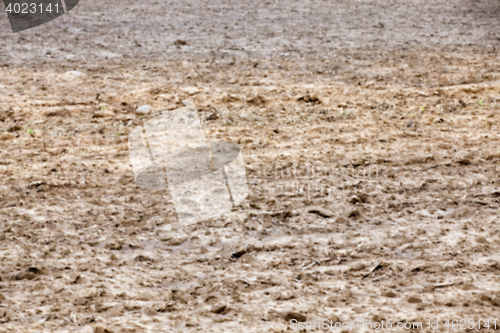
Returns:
(304, 263)
(375, 265)
(199, 74)
(431, 287)
(310, 265)
(381, 278)
(84, 177)
(317, 262)
(448, 284)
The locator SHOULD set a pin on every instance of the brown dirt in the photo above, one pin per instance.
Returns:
(394, 105)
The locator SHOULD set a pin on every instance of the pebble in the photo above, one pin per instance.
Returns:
(482, 240)
(240, 250)
(37, 183)
(213, 116)
(493, 156)
(341, 220)
(150, 312)
(114, 245)
(25, 276)
(103, 114)
(15, 128)
(355, 199)
(390, 294)
(102, 329)
(73, 74)
(116, 310)
(7, 136)
(189, 104)
(219, 308)
(414, 299)
(190, 90)
(295, 315)
(143, 110)
(321, 211)
(4, 316)
(82, 301)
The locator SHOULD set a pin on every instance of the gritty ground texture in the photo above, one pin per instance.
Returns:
(370, 132)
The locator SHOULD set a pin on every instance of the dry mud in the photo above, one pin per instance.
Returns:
(370, 132)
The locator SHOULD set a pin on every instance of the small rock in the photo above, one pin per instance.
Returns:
(142, 258)
(219, 308)
(36, 184)
(103, 114)
(25, 276)
(429, 288)
(321, 211)
(2, 298)
(78, 280)
(177, 241)
(116, 310)
(7, 136)
(3, 115)
(240, 250)
(73, 74)
(482, 240)
(99, 307)
(189, 104)
(213, 116)
(143, 110)
(468, 286)
(354, 214)
(355, 199)
(15, 128)
(358, 267)
(334, 318)
(81, 301)
(341, 220)
(493, 156)
(295, 315)
(464, 161)
(411, 123)
(4, 316)
(150, 312)
(190, 90)
(114, 246)
(244, 140)
(390, 294)
(257, 100)
(414, 299)
(102, 329)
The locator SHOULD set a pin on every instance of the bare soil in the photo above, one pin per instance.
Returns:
(370, 130)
